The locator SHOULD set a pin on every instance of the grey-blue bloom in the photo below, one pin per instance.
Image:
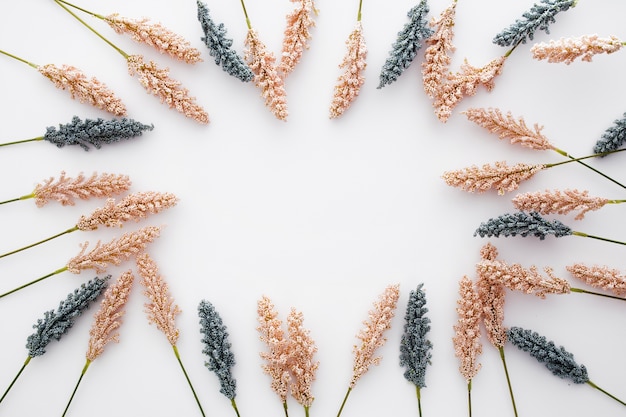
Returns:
(407, 44)
(414, 347)
(95, 132)
(523, 224)
(559, 361)
(56, 323)
(220, 46)
(217, 347)
(612, 138)
(539, 17)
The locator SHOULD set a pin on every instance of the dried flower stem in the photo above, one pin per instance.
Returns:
(70, 230)
(26, 362)
(80, 378)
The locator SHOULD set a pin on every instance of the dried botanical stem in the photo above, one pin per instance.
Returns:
(297, 35)
(561, 202)
(566, 50)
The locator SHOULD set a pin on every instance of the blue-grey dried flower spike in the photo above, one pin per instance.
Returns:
(220, 46)
(407, 44)
(94, 132)
(56, 323)
(612, 138)
(539, 17)
(523, 224)
(217, 347)
(559, 361)
(414, 347)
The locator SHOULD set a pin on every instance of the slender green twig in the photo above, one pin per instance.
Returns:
(234, 404)
(419, 399)
(70, 230)
(245, 12)
(38, 138)
(82, 374)
(508, 380)
(26, 362)
(469, 398)
(562, 152)
(583, 291)
(605, 392)
(343, 403)
(19, 59)
(58, 271)
(180, 362)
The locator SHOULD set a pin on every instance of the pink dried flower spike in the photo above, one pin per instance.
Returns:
(301, 363)
(106, 322)
(354, 62)
(561, 202)
(161, 309)
(499, 176)
(86, 90)
(372, 336)
(603, 277)
(297, 35)
(566, 50)
(436, 65)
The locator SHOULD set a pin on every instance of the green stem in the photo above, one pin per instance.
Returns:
(99, 16)
(24, 197)
(234, 404)
(285, 408)
(180, 362)
(469, 397)
(58, 271)
(15, 379)
(124, 54)
(605, 392)
(22, 141)
(562, 152)
(582, 291)
(73, 229)
(19, 59)
(343, 403)
(508, 380)
(575, 233)
(595, 155)
(87, 363)
(245, 13)
(306, 411)
(358, 16)
(419, 399)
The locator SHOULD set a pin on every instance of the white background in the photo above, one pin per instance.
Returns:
(317, 214)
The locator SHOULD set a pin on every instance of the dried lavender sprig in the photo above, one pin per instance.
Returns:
(218, 348)
(613, 137)
(55, 324)
(558, 360)
(89, 132)
(539, 17)
(405, 47)
(532, 223)
(220, 47)
(414, 346)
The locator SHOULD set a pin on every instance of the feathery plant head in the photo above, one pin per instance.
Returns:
(217, 347)
(539, 17)
(559, 361)
(523, 224)
(405, 48)
(94, 132)
(613, 137)
(57, 323)
(414, 347)
(220, 47)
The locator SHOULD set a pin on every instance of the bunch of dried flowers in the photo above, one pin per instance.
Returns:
(297, 35)
(561, 202)
(567, 50)
(55, 324)
(612, 138)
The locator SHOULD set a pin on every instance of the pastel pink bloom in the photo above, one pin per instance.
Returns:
(466, 340)
(506, 127)
(158, 82)
(297, 35)
(559, 202)
(499, 176)
(161, 309)
(568, 49)
(109, 317)
(349, 83)
(491, 294)
(86, 90)
(603, 277)
(66, 189)
(266, 77)
(156, 35)
(303, 367)
(436, 64)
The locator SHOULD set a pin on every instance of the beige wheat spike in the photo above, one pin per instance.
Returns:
(603, 277)
(568, 49)
(297, 35)
(156, 35)
(559, 202)
(266, 77)
(277, 356)
(491, 294)
(109, 317)
(161, 309)
(303, 367)
(114, 252)
(66, 189)
(158, 82)
(466, 340)
(436, 64)
(506, 127)
(499, 176)
(89, 90)
(135, 207)
(372, 335)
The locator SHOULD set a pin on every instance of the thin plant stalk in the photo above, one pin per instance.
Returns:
(70, 230)
(590, 383)
(58, 271)
(583, 291)
(26, 362)
(38, 138)
(343, 403)
(180, 362)
(508, 380)
(562, 152)
(80, 378)
(469, 398)
(419, 400)
(19, 59)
